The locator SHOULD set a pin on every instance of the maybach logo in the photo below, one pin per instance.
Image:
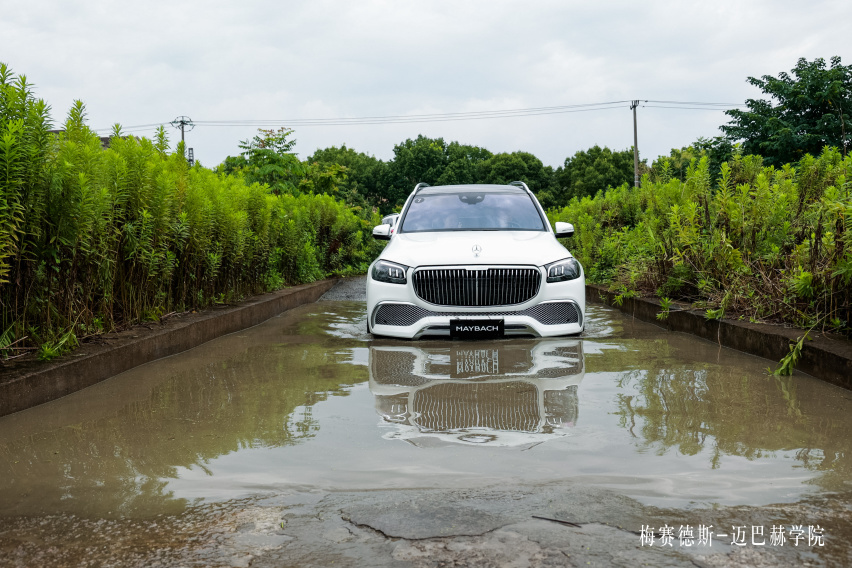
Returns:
(478, 328)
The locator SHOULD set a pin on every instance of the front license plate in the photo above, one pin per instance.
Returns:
(476, 328)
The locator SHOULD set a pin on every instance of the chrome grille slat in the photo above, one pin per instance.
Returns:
(477, 288)
(511, 406)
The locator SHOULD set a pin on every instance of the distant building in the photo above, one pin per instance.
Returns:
(104, 139)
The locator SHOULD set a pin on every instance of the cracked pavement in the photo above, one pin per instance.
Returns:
(413, 528)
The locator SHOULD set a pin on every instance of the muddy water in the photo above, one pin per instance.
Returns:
(308, 400)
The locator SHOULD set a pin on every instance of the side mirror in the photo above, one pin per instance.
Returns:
(564, 230)
(382, 232)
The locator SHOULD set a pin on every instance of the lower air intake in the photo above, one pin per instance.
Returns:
(550, 313)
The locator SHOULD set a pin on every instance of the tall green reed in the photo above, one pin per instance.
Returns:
(764, 243)
(93, 238)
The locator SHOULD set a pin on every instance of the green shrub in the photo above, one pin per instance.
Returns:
(94, 238)
(771, 244)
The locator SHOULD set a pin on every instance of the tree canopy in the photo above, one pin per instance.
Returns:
(362, 178)
(268, 158)
(593, 170)
(462, 164)
(807, 110)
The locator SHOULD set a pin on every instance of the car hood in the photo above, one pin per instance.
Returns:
(456, 248)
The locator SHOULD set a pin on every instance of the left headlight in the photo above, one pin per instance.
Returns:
(385, 271)
(563, 270)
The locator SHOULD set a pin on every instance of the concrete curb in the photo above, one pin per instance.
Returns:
(36, 383)
(825, 357)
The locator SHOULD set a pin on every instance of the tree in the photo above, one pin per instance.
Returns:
(806, 112)
(462, 164)
(515, 166)
(420, 160)
(386, 184)
(593, 170)
(268, 158)
(518, 166)
(363, 174)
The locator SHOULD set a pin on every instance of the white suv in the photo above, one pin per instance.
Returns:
(477, 261)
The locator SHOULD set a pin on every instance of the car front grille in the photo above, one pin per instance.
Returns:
(509, 406)
(472, 288)
(549, 313)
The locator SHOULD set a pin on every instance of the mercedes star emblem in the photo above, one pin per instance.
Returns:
(476, 250)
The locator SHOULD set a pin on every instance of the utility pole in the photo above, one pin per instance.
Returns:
(633, 106)
(184, 123)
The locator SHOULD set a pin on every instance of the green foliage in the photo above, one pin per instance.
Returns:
(51, 349)
(24, 143)
(589, 171)
(625, 294)
(518, 166)
(433, 161)
(463, 164)
(717, 150)
(420, 160)
(808, 110)
(268, 159)
(361, 175)
(369, 182)
(765, 243)
(788, 363)
(92, 239)
(666, 306)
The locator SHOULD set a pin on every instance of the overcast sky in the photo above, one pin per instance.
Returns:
(149, 62)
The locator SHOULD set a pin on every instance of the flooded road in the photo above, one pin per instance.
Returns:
(308, 413)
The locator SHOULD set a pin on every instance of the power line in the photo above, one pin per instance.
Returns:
(685, 107)
(417, 118)
(441, 117)
(697, 103)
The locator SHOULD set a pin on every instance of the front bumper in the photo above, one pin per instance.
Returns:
(407, 320)
(555, 309)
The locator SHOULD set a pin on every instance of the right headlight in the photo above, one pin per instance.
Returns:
(385, 271)
(563, 270)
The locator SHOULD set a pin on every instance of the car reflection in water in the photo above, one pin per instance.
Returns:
(507, 393)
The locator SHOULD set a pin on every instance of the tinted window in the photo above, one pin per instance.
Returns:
(471, 211)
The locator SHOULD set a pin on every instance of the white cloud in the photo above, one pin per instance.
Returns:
(150, 62)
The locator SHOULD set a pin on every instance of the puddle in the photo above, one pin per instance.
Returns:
(309, 401)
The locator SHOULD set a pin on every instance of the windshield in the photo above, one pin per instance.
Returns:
(472, 211)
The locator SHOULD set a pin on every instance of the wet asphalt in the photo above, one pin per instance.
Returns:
(305, 442)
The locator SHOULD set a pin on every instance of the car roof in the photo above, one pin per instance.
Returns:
(477, 188)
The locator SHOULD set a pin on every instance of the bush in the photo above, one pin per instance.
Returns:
(94, 238)
(764, 243)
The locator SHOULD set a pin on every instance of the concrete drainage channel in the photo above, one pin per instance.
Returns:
(824, 357)
(361, 494)
(31, 383)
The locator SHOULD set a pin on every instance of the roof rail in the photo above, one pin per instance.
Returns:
(520, 184)
(420, 186)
